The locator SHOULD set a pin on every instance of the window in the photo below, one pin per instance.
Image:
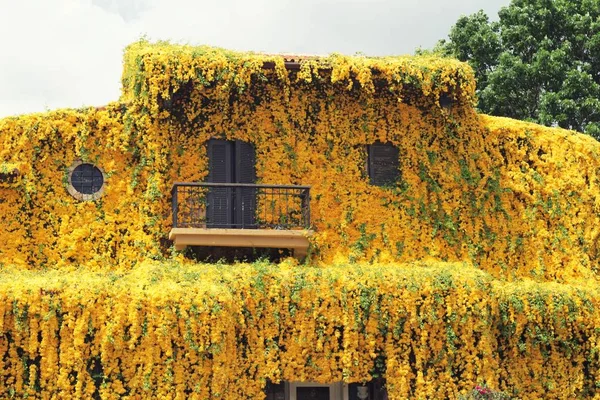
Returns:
(446, 101)
(8, 173)
(233, 206)
(86, 181)
(383, 164)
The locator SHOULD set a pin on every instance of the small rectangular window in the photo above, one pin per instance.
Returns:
(383, 164)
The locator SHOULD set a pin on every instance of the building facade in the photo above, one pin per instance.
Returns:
(377, 174)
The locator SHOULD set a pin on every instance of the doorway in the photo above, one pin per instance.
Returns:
(318, 391)
(373, 390)
(306, 391)
(231, 162)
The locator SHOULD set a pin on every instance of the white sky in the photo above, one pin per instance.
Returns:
(68, 53)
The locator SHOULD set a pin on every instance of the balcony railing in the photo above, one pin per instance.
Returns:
(240, 206)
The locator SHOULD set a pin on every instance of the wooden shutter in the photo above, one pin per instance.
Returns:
(219, 201)
(384, 164)
(245, 172)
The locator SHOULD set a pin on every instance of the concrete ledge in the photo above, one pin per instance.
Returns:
(297, 240)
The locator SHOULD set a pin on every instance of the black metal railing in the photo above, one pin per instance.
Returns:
(240, 205)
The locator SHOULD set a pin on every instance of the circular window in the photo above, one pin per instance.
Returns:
(86, 181)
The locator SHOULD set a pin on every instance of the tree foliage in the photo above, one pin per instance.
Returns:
(540, 61)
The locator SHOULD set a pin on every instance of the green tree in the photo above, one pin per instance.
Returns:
(540, 61)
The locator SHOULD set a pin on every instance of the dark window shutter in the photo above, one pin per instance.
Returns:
(219, 161)
(245, 172)
(384, 164)
(219, 200)
(245, 162)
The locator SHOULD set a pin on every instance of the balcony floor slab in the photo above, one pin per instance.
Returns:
(297, 240)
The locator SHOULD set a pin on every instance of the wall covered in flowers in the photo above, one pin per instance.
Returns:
(498, 200)
(166, 330)
(514, 198)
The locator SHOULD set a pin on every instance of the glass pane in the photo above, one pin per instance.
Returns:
(357, 391)
(87, 179)
(313, 393)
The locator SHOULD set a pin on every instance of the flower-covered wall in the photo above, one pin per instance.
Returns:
(514, 198)
(42, 225)
(165, 330)
(492, 226)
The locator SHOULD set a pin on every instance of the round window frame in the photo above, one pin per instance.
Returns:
(83, 196)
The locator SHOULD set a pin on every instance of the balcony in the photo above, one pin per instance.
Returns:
(241, 215)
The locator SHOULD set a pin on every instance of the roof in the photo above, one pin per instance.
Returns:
(234, 71)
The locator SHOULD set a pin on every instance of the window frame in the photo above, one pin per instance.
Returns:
(370, 164)
(85, 196)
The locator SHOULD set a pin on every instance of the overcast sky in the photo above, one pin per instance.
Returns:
(67, 53)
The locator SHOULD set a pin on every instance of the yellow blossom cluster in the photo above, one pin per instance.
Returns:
(168, 330)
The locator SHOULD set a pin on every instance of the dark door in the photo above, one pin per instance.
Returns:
(313, 393)
(231, 162)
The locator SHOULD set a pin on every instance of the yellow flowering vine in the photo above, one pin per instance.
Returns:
(485, 253)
